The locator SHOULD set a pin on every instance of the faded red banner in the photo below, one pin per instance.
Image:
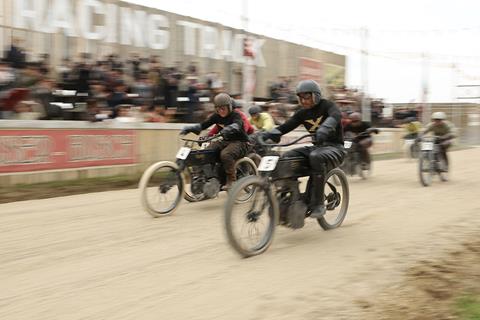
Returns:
(47, 149)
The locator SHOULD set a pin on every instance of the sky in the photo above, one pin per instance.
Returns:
(411, 44)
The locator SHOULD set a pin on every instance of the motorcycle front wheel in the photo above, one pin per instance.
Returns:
(250, 225)
(161, 188)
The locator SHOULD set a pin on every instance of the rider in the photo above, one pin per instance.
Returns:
(261, 120)
(412, 127)
(321, 117)
(442, 130)
(234, 144)
(246, 124)
(355, 127)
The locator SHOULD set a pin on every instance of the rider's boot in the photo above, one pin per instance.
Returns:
(231, 177)
(317, 202)
(365, 157)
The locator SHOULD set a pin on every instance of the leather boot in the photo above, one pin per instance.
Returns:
(231, 178)
(317, 201)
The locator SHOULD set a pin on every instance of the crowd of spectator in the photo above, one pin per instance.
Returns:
(135, 89)
(141, 89)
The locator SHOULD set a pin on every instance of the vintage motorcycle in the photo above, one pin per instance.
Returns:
(353, 165)
(197, 174)
(278, 199)
(431, 161)
(411, 148)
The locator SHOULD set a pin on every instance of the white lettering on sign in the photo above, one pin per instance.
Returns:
(158, 38)
(86, 9)
(209, 40)
(96, 20)
(61, 17)
(16, 150)
(189, 36)
(99, 147)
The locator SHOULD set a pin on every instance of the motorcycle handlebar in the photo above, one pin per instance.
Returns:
(263, 143)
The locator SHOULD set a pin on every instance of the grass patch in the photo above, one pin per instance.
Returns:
(468, 307)
(63, 188)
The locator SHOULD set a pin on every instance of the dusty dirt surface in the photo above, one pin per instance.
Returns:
(432, 288)
(99, 256)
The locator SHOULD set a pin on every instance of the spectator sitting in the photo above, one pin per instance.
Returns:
(123, 112)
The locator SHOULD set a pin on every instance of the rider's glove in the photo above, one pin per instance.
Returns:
(321, 135)
(196, 128)
(230, 131)
(275, 135)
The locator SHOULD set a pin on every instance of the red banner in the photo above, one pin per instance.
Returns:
(33, 150)
(310, 69)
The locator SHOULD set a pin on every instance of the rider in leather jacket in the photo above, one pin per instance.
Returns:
(323, 118)
(234, 145)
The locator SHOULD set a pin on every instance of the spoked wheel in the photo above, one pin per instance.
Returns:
(161, 188)
(245, 167)
(336, 199)
(414, 150)
(188, 194)
(250, 225)
(425, 168)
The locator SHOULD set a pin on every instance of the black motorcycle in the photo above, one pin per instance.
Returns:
(278, 199)
(197, 174)
(353, 164)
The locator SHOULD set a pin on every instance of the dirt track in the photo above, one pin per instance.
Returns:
(99, 256)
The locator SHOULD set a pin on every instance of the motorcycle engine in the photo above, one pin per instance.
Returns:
(197, 185)
(292, 208)
(211, 188)
(296, 215)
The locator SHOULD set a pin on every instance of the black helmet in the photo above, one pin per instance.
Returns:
(309, 86)
(254, 110)
(223, 99)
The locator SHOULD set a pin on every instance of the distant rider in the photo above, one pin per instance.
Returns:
(443, 132)
(364, 141)
(261, 120)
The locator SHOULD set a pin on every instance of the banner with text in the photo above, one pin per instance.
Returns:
(34, 150)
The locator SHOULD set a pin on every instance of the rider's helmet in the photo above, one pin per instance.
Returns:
(355, 116)
(309, 86)
(439, 115)
(254, 110)
(223, 99)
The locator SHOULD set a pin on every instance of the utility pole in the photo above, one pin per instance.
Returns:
(425, 90)
(366, 112)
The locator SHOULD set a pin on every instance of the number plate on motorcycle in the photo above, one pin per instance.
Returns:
(268, 163)
(427, 146)
(182, 154)
(347, 144)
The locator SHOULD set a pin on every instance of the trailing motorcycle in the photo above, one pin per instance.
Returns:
(196, 175)
(353, 164)
(431, 161)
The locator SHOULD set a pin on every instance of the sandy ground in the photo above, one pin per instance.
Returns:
(99, 256)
